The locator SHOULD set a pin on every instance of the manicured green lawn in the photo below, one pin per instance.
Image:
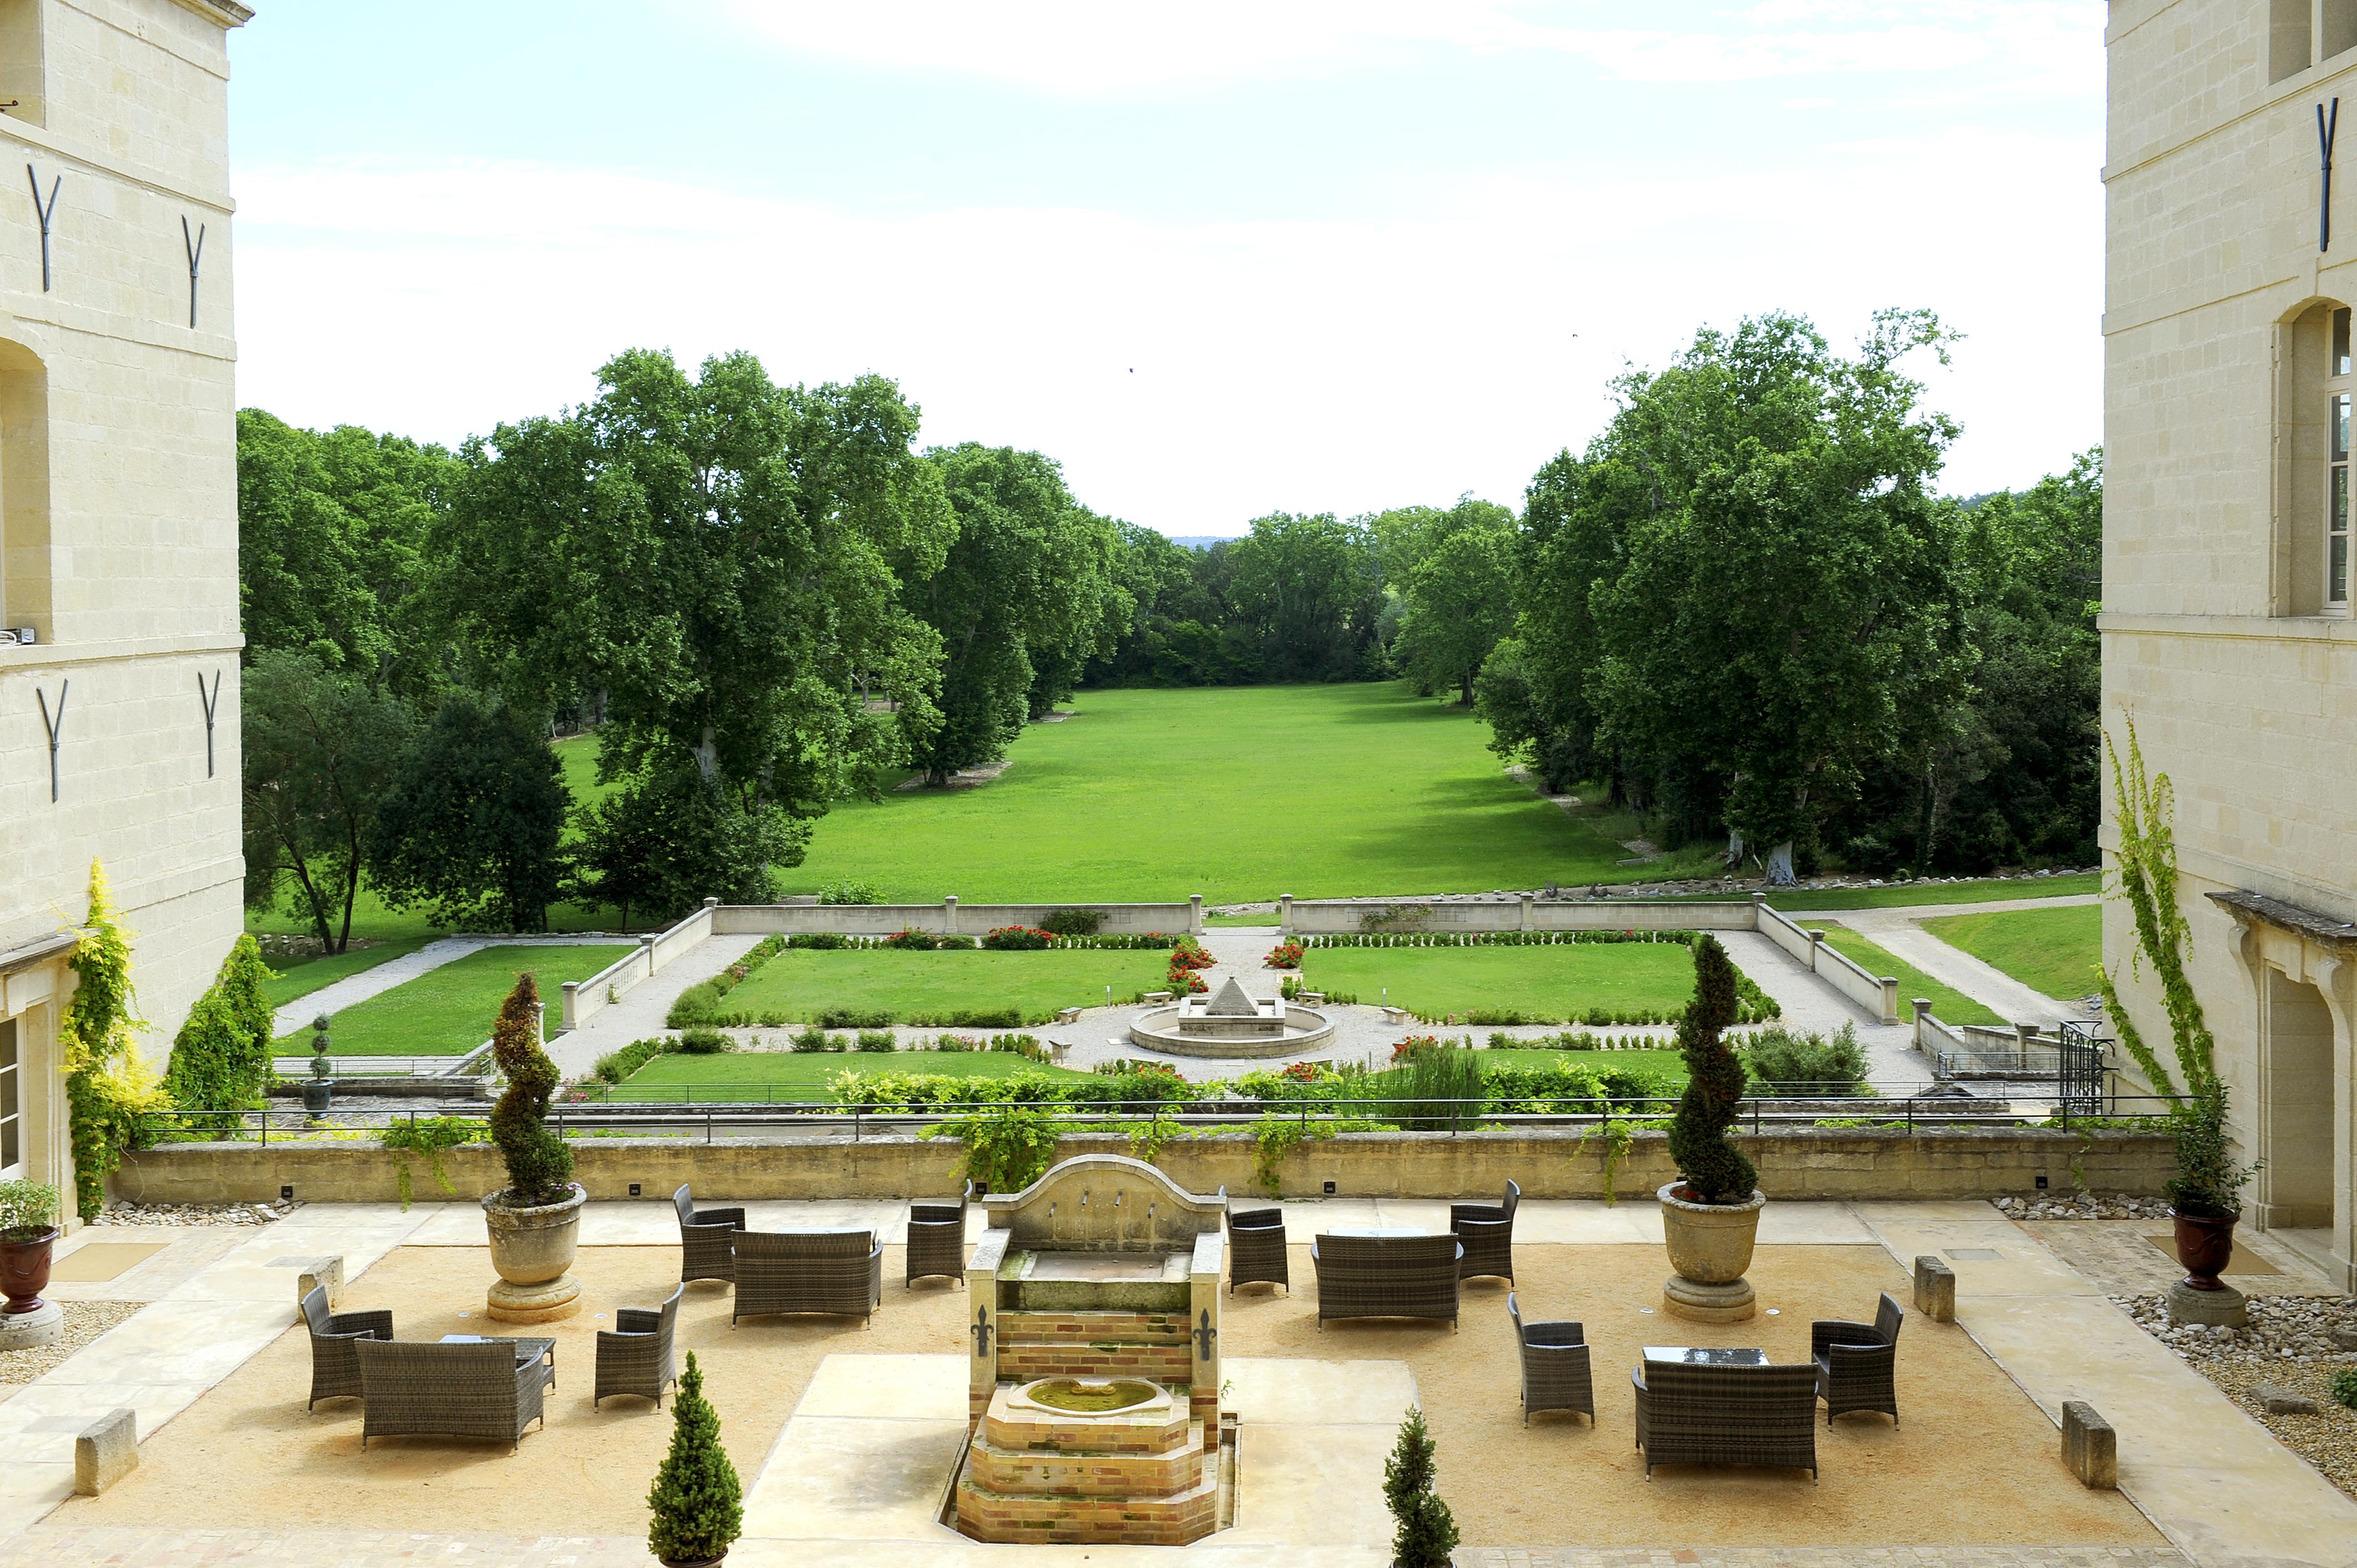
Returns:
(1557, 983)
(803, 1076)
(1238, 794)
(800, 984)
(298, 977)
(2054, 952)
(1948, 1005)
(1915, 892)
(449, 1010)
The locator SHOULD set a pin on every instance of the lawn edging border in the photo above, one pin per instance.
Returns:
(1796, 1165)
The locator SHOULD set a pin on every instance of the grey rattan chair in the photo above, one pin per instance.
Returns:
(1727, 1415)
(1386, 1276)
(478, 1390)
(634, 1357)
(335, 1370)
(1556, 1371)
(1256, 1249)
(937, 1239)
(1857, 1363)
(838, 1273)
(704, 1238)
(1488, 1232)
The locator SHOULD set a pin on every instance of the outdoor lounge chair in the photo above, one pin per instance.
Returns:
(1488, 1232)
(1857, 1362)
(704, 1238)
(479, 1388)
(1727, 1415)
(1386, 1276)
(335, 1370)
(937, 1239)
(838, 1273)
(1556, 1374)
(1256, 1249)
(634, 1357)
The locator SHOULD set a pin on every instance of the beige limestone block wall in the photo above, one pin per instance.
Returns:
(2217, 640)
(118, 504)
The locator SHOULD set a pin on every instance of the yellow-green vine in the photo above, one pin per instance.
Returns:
(110, 1089)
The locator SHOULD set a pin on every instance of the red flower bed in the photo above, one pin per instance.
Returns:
(1413, 1043)
(1301, 1072)
(1018, 939)
(1285, 955)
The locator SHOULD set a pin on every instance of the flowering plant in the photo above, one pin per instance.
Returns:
(1301, 1072)
(1413, 1043)
(1018, 939)
(1285, 955)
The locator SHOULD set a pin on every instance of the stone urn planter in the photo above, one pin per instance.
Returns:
(1710, 1249)
(2205, 1245)
(24, 1272)
(532, 1249)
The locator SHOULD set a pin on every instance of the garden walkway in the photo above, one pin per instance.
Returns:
(642, 1009)
(1899, 931)
(354, 989)
(2223, 1491)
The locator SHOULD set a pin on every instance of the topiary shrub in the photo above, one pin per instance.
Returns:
(1713, 1171)
(704, 1042)
(221, 1058)
(540, 1167)
(1427, 1531)
(1072, 922)
(876, 1040)
(696, 1504)
(811, 1039)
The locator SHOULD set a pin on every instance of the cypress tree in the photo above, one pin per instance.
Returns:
(1426, 1531)
(220, 1059)
(696, 1499)
(539, 1165)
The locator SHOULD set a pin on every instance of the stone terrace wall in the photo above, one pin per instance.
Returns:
(945, 918)
(1801, 1164)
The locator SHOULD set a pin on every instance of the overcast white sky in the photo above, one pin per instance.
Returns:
(1219, 259)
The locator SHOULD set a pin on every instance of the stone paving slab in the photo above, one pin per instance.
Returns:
(50, 1546)
(1819, 1557)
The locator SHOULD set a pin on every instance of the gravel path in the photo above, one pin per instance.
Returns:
(640, 1012)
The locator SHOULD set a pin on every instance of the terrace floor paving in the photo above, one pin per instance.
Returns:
(2223, 1491)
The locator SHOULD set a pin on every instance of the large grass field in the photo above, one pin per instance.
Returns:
(449, 1010)
(1557, 983)
(298, 977)
(1237, 794)
(1948, 1005)
(2054, 951)
(800, 984)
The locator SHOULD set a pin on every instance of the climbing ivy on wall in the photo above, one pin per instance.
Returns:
(109, 1088)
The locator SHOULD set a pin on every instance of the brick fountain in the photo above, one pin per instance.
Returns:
(1094, 1363)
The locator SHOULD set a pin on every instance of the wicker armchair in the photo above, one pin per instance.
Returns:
(838, 1273)
(937, 1239)
(1256, 1249)
(1857, 1362)
(1557, 1373)
(335, 1370)
(478, 1389)
(704, 1239)
(1386, 1276)
(1488, 1232)
(634, 1357)
(1727, 1415)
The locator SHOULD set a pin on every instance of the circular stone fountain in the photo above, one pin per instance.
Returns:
(1232, 1022)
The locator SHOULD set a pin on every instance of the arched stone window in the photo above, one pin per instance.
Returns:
(2316, 498)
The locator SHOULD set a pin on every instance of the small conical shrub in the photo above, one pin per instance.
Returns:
(540, 1167)
(696, 1500)
(1427, 1531)
(1713, 1170)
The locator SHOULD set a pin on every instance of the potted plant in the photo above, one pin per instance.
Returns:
(696, 1501)
(318, 1090)
(535, 1221)
(1426, 1531)
(1710, 1215)
(28, 1229)
(2205, 1193)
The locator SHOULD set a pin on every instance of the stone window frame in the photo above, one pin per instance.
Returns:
(2316, 369)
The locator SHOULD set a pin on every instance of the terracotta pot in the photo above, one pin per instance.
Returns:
(1710, 1243)
(532, 1246)
(2205, 1245)
(25, 1273)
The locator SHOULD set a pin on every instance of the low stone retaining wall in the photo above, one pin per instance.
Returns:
(1794, 1164)
(947, 917)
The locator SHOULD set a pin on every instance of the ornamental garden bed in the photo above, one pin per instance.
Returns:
(1587, 981)
(872, 987)
(448, 1011)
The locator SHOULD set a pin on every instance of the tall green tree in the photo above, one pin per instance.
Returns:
(472, 821)
(331, 533)
(1454, 574)
(1028, 585)
(667, 838)
(721, 558)
(1309, 590)
(320, 747)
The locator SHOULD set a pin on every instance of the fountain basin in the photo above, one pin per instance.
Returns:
(1185, 1029)
(1085, 1396)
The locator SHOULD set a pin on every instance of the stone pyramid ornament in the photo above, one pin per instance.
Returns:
(1231, 1000)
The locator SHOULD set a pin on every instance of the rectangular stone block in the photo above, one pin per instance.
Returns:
(2089, 1447)
(107, 1450)
(1935, 1289)
(326, 1271)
